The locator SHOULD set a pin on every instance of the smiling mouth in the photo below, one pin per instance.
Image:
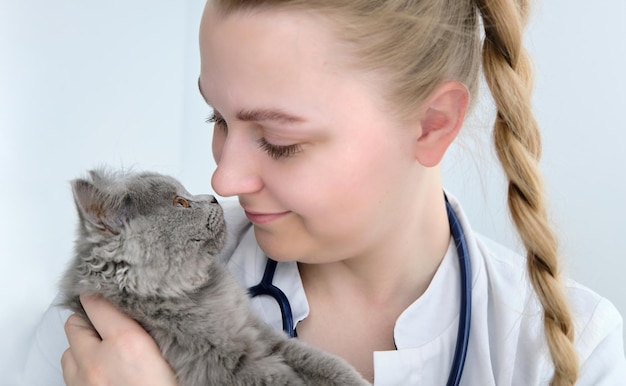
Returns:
(264, 218)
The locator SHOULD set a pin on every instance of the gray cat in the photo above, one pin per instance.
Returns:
(149, 247)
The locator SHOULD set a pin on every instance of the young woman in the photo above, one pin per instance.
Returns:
(331, 118)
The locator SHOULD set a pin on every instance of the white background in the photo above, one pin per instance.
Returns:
(89, 83)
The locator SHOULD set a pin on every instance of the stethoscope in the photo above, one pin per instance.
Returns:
(265, 287)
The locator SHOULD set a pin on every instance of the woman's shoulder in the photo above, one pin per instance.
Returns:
(507, 271)
(597, 322)
(42, 365)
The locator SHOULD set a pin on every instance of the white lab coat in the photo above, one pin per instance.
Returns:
(506, 345)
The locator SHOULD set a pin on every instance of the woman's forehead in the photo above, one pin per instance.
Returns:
(252, 56)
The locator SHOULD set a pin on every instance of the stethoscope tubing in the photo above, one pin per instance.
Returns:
(465, 314)
(266, 287)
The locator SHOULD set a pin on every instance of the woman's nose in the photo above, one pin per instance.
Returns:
(237, 169)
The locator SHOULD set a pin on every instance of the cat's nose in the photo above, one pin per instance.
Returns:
(207, 197)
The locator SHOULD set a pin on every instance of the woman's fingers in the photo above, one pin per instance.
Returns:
(115, 332)
(69, 366)
(83, 340)
(106, 318)
(120, 352)
(80, 335)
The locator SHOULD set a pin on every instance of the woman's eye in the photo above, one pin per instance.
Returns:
(217, 121)
(180, 202)
(278, 151)
(274, 151)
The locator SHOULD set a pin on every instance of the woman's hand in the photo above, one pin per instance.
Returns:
(125, 355)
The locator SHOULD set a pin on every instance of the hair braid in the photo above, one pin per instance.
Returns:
(517, 140)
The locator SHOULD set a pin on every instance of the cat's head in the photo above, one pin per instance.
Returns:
(144, 234)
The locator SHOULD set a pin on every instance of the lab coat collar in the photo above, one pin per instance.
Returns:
(425, 333)
(437, 310)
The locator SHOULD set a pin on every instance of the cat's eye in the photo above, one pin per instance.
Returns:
(180, 202)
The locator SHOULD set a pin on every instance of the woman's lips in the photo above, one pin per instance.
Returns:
(264, 218)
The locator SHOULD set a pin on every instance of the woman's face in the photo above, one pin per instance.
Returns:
(320, 167)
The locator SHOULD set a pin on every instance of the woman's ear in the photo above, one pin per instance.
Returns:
(440, 121)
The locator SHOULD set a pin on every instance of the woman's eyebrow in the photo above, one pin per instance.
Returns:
(258, 115)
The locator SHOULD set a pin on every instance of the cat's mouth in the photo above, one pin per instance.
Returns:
(217, 233)
(217, 229)
(216, 217)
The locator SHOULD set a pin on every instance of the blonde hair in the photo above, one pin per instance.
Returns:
(421, 43)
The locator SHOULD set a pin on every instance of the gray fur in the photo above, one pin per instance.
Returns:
(154, 260)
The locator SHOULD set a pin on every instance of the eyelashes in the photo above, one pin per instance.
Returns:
(277, 152)
(217, 121)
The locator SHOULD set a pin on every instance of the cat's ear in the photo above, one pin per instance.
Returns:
(99, 210)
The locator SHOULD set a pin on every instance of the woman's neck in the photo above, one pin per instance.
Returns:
(354, 303)
(398, 271)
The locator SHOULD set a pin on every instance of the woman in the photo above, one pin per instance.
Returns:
(331, 118)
